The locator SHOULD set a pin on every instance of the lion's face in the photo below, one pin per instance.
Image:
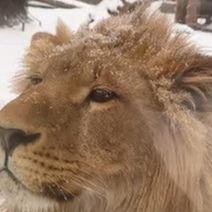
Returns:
(81, 134)
(80, 125)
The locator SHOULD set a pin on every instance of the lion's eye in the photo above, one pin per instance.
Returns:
(35, 80)
(101, 95)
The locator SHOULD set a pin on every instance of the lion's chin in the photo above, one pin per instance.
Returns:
(18, 198)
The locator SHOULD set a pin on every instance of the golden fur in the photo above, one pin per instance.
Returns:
(147, 150)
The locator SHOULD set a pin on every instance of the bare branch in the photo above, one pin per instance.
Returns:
(57, 3)
(94, 2)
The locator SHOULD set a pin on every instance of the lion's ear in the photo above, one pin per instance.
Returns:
(43, 42)
(41, 45)
(196, 80)
(61, 36)
(63, 32)
(43, 38)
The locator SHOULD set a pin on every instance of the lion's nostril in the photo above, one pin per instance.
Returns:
(12, 138)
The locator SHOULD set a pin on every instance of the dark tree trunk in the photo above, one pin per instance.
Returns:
(181, 11)
(187, 12)
(12, 11)
(192, 13)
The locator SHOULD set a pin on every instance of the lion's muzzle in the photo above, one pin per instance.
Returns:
(12, 138)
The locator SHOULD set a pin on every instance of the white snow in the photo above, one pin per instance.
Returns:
(13, 41)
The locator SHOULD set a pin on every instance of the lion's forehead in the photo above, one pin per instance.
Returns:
(133, 53)
(89, 59)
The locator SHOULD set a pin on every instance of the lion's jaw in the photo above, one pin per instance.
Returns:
(18, 198)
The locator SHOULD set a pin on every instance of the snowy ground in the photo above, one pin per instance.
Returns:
(13, 41)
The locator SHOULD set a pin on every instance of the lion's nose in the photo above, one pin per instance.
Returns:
(12, 138)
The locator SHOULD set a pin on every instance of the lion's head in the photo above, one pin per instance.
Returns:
(112, 119)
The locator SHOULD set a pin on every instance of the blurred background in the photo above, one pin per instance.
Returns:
(20, 19)
(13, 12)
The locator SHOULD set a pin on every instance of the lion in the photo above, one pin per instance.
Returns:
(116, 118)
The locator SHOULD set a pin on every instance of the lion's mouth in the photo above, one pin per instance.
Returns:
(11, 175)
(49, 190)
